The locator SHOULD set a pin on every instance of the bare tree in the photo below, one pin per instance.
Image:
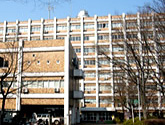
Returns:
(9, 67)
(144, 49)
(49, 4)
(11, 61)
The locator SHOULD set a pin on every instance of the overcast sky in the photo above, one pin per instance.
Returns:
(11, 11)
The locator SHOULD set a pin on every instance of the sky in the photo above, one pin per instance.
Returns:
(12, 11)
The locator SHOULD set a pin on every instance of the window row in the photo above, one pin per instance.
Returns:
(38, 84)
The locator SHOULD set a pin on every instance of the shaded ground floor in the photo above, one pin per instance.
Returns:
(109, 116)
(57, 110)
(26, 114)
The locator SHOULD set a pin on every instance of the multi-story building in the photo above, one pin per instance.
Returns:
(43, 76)
(88, 35)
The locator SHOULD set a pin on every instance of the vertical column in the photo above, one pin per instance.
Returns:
(73, 115)
(125, 52)
(78, 116)
(17, 30)
(55, 27)
(4, 31)
(96, 58)
(111, 57)
(66, 78)
(42, 29)
(156, 57)
(19, 74)
(68, 28)
(29, 29)
(82, 56)
(140, 39)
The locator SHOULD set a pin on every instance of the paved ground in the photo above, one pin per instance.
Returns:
(96, 124)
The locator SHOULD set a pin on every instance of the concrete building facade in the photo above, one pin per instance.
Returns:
(86, 34)
(45, 78)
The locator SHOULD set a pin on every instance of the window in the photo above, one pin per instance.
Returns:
(7, 83)
(87, 38)
(131, 36)
(48, 28)
(89, 62)
(48, 62)
(117, 36)
(35, 29)
(58, 61)
(102, 25)
(3, 63)
(105, 87)
(90, 88)
(151, 87)
(89, 50)
(24, 39)
(90, 75)
(44, 84)
(48, 38)
(90, 101)
(23, 29)
(88, 26)
(11, 30)
(60, 37)
(131, 24)
(77, 50)
(103, 37)
(35, 38)
(28, 62)
(74, 26)
(61, 27)
(38, 62)
(118, 73)
(117, 49)
(75, 38)
(1, 30)
(116, 25)
(103, 49)
(104, 62)
(104, 75)
(146, 23)
(105, 101)
(10, 40)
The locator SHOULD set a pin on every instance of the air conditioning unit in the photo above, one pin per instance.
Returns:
(78, 73)
(25, 90)
(57, 90)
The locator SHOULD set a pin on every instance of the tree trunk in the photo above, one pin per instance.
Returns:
(3, 110)
(144, 106)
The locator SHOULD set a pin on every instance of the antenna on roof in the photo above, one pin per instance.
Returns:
(50, 8)
(70, 2)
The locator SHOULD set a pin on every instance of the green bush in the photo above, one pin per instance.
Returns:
(128, 122)
(108, 122)
(117, 120)
(139, 123)
(136, 122)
